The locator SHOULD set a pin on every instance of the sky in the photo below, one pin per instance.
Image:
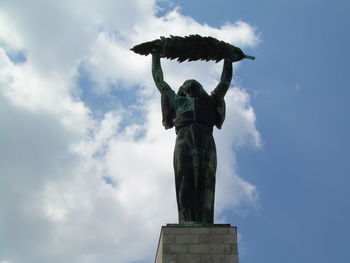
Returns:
(86, 166)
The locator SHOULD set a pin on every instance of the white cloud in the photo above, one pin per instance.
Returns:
(76, 189)
(238, 129)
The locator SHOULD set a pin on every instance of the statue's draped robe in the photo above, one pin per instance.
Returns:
(195, 151)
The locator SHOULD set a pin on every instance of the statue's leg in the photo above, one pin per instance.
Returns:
(197, 136)
(208, 196)
(184, 180)
(208, 177)
(197, 188)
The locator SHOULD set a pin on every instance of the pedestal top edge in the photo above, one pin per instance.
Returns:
(198, 225)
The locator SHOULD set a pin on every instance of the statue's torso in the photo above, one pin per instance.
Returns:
(194, 110)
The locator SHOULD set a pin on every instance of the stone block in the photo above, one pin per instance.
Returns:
(187, 238)
(175, 248)
(229, 238)
(188, 258)
(169, 238)
(233, 249)
(231, 259)
(219, 230)
(169, 259)
(197, 244)
(220, 249)
(199, 248)
(199, 230)
(213, 258)
(233, 230)
(211, 239)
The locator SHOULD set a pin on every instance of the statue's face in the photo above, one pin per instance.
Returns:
(192, 88)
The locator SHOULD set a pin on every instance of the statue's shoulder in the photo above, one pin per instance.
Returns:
(216, 99)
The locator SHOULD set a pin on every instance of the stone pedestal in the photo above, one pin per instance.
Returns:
(212, 243)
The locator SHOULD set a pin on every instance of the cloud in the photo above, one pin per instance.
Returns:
(77, 188)
(239, 129)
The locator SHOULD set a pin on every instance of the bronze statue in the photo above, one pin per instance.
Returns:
(193, 113)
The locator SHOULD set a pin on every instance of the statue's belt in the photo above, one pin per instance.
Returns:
(182, 124)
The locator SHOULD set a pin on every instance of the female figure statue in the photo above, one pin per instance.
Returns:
(193, 113)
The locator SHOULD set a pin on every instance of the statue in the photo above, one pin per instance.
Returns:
(193, 113)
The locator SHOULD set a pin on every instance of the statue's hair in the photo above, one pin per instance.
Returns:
(182, 91)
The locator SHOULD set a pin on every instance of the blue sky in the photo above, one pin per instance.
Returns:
(78, 110)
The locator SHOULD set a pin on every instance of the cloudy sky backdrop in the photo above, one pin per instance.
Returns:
(86, 166)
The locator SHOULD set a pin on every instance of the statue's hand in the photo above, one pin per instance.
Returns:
(154, 51)
(155, 56)
(160, 51)
(228, 60)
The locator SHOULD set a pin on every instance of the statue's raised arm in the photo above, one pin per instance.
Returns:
(158, 76)
(225, 80)
(167, 94)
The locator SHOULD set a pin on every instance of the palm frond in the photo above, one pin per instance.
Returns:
(192, 47)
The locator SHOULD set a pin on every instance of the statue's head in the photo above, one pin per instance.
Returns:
(192, 89)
